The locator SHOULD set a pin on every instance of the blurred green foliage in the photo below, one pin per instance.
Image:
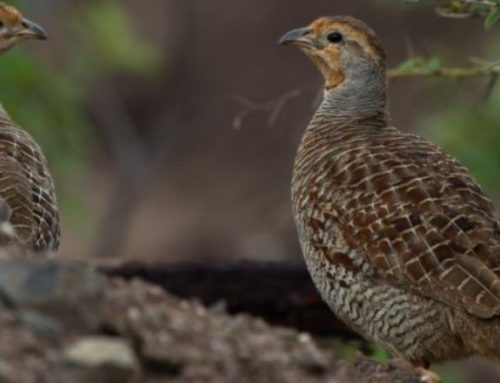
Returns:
(469, 126)
(48, 97)
(379, 353)
(347, 350)
(110, 41)
(47, 104)
(493, 17)
(471, 133)
(450, 374)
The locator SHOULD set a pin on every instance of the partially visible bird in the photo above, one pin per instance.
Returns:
(25, 182)
(398, 236)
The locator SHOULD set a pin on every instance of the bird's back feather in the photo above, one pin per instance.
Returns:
(404, 211)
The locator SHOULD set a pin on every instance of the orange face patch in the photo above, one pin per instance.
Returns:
(328, 62)
(10, 15)
(353, 30)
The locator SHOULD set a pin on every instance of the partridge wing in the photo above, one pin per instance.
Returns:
(419, 220)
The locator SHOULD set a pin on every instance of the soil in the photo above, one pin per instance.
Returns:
(132, 331)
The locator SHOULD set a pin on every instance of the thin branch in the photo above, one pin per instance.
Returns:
(458, 4)
(453, 72)
(460, 9)
(273, 107)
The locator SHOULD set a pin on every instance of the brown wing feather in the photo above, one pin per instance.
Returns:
(15, 190)
(407, 212)
(26, 185)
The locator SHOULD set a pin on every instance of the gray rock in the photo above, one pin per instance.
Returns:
(68, 292)
(42, 325)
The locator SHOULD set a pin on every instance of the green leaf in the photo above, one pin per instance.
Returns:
(379, 353)
(432, 63)
(412, 63)
(492, 18)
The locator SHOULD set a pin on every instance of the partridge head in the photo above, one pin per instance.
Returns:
(343, 48)
(14, 28)
(351, 59)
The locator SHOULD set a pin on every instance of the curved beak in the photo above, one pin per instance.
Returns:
(300, 36)
(31, 29)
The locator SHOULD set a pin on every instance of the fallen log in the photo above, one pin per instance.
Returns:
(281, 293)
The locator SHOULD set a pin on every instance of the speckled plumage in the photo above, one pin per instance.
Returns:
(25, 181)
(398, 236)
(27, 187)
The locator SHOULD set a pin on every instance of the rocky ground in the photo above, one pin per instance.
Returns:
(67, 323)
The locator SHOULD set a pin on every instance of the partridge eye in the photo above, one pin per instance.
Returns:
(335, 37)
(1, 24)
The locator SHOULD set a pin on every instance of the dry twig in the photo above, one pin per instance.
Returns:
(273, 107)
(459, 9)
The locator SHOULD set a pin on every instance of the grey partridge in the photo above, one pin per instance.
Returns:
(25, 182)
(400, 239)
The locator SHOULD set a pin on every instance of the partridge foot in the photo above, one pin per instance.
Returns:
(420, 368)
(427, 376)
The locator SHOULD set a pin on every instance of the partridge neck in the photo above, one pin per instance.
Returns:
(355, 99)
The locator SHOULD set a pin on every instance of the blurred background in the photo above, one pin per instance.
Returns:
(171, 126)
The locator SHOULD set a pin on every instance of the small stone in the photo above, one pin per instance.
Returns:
(304, 338)
(201, 311)
(133, 313)
(111, 355)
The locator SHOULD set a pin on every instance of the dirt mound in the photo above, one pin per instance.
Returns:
(67, 323)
